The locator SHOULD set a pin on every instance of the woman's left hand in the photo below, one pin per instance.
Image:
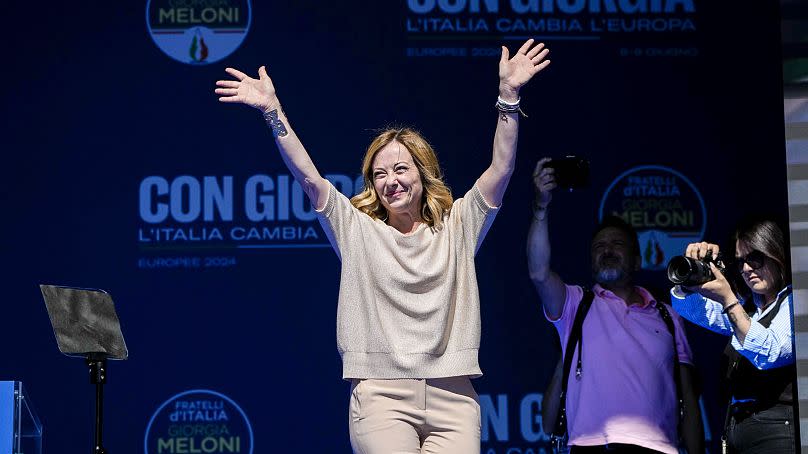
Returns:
(717, 290)
(517, 71)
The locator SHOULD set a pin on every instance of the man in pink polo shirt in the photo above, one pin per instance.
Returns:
(625, 398)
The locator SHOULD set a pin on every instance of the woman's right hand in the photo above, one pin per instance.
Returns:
(718, 289)
(544, 182)
(258, 93)
(699, 250)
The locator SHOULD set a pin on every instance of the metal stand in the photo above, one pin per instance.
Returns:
(97, 362)
(86, 326)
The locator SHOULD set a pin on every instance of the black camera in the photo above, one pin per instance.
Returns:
(571, 172)
(688, 271)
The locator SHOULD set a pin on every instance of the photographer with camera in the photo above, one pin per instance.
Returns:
(762, 371)
(627, 351)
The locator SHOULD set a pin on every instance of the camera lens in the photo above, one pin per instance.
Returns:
(679, 269)
(687, 271)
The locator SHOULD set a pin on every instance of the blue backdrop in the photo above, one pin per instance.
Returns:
(121, 163)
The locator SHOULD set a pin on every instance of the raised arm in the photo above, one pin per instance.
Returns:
(549, 285)
(513, 74)
(260, 94)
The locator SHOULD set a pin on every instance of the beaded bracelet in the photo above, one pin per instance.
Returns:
(507, 107)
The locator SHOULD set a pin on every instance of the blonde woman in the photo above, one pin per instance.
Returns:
(408, 321)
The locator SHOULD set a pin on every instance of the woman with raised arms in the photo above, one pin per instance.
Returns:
(408, 318)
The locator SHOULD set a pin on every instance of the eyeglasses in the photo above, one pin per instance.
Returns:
(754, 259)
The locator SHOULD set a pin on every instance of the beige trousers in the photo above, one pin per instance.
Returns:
(414, 416)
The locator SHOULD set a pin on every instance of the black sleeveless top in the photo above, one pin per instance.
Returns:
(766, 387)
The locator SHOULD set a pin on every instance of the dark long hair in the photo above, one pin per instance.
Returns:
(767, 237)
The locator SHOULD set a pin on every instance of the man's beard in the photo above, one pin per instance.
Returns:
(609, 275)
(610, 269)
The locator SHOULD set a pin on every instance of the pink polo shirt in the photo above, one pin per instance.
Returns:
(626, 393)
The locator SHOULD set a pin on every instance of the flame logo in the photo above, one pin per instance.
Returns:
(198, 50)
(653, 254)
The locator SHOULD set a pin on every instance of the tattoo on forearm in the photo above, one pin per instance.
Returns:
(275, 124)
(733, 318)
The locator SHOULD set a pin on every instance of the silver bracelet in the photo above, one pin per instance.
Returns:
(506, 107)
(730, 306)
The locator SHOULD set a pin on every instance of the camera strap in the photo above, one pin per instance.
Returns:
(560, 435)
(677, 379)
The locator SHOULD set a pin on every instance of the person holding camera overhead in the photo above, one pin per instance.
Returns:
(762, 371)
(627, 360)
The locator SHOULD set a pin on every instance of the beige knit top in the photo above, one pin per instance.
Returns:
(408, 304)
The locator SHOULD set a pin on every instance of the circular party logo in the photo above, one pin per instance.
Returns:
(198, 32)
(662, 205)
(199, 420)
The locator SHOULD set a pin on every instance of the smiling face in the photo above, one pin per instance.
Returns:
(613, 256)
(397, 181)
(762, 280)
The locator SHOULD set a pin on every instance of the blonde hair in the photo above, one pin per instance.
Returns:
(436, 200)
